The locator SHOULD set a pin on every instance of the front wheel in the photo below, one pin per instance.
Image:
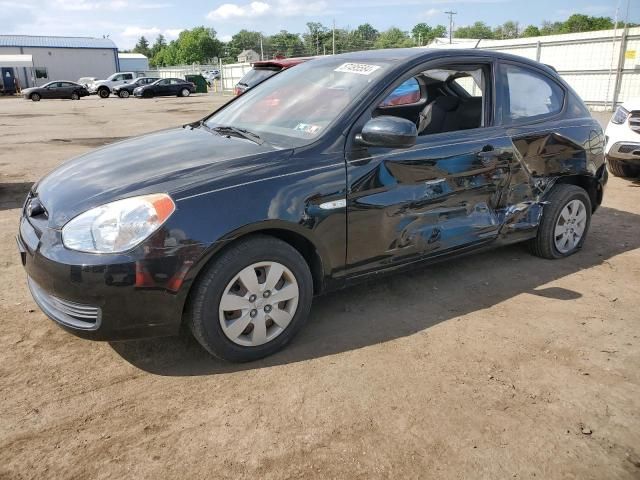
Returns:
(75, 96)
(104, 93)
(565, 223)
(251, 301)
(185, 92)
(123, 94)
(35, 97)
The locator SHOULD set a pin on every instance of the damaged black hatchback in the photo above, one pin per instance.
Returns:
(341, 168)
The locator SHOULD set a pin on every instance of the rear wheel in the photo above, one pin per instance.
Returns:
(565, 223)
(123, 94)
(35, 97)
(104, 92)
(251, 301)
(622, 169)
(185, 92)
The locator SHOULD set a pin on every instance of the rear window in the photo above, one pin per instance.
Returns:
(257, 75)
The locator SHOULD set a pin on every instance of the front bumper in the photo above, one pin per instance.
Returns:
(106, 297)
(624, 150)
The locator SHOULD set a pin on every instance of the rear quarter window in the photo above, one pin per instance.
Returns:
(257, 75)
(528, 95)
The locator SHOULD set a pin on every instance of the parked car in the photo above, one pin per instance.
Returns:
(103, 87)
(264, 69)
(165, 87)
(310, 182)
(56, 89)
(623, 140)
(211, 75)
(124, 91)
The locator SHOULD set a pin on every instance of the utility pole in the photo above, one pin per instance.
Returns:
(334, 36)
(451, 13)
(261, 49)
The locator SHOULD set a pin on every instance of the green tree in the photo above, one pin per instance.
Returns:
(157, 46)
(550, 28)
(393, 38)
(317, 38)
(286, 44)
(424, 34)
(245, 40)
(531, 31)
(142, 47)
(198, 45)
(477, 30)
(584, 23)
(508, 29)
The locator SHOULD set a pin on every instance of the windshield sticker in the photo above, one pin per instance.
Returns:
(359, 68)
(307, 128)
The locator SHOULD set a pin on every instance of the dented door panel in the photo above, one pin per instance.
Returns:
(436, 197)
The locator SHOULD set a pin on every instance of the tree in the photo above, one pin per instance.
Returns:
(508, 29)
(531, 31)
(550, 28)
(316, 37)
(245, 40)
(198, 45)
(286, 44)
(158, 45)
(424, 34)
(477, 30)
(393, 38)
(142, 47)
(584, 23)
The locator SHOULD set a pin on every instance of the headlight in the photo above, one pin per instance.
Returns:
(117, 226)
(620, 115)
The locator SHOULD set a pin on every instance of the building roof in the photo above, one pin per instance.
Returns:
(131, 55)
(55, 42)
(244, 53)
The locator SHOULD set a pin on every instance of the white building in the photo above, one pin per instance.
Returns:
(61, 58)
(133, 62)
(603, 67)
(248, 56)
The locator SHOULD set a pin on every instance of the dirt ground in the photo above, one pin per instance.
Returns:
(498, 365)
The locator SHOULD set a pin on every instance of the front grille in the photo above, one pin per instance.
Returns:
(71, 314)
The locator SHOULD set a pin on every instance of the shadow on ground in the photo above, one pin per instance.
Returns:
(12, 195)
(404, 304)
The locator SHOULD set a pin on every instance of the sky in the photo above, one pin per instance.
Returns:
(126, 20)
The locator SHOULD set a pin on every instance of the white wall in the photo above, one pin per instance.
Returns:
(66, 63)
(133, 64)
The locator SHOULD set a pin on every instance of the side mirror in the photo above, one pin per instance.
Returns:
(388, 131)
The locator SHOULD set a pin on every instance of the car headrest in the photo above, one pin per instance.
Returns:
(448, 104)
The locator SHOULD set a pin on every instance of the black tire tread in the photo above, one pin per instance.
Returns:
(542, 245)
(621, 169)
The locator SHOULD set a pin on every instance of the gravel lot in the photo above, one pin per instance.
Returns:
(498, 365)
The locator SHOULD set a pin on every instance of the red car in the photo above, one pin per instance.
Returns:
(264, 69)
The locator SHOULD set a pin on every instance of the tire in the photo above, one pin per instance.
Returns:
(184, 92)
(205, 316)
(546, 244)
(104, 92)
(622, 169)
(35, 97)
(75, 96)
(123, 94)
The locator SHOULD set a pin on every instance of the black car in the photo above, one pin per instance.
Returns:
(165, 87)
(126, 90)
(57, 89)
(329, 173)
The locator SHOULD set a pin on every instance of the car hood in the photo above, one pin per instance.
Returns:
(632, 104)
(174, 161)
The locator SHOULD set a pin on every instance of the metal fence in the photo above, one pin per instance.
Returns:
(230, 74)
(603, 67)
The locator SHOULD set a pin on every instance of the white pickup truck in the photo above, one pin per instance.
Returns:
(104, 87)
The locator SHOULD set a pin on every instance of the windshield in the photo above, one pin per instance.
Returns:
(298, 105)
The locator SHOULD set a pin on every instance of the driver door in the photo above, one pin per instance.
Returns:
(437, 197)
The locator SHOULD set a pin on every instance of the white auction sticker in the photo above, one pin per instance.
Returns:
(359, 68)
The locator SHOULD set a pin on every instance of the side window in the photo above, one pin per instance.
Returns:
(117, 78)
(469, 85)
(164, 82)
(529, 95)
(127, 76)
(405, 94)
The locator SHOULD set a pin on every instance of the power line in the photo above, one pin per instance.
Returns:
(451, 13)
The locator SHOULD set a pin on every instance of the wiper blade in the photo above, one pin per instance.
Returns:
(240, 132)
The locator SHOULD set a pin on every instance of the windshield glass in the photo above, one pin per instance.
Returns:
(298, 105)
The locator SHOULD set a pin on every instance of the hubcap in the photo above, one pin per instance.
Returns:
(258, 304)
(570, 226)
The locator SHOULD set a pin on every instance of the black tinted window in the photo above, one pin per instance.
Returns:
(529, 94)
